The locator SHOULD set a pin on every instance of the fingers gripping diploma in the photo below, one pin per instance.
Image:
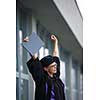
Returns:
(26, 39)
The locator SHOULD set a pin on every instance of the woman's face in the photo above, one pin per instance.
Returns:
(52, 68)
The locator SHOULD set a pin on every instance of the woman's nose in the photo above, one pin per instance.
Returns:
(55, 66)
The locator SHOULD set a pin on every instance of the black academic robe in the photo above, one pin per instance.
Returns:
(41, 78)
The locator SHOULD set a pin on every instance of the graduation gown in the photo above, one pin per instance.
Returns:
(42, 80)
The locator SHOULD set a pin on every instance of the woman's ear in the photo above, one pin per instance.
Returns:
(45, 68)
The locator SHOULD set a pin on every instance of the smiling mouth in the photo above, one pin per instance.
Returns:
(55, 70)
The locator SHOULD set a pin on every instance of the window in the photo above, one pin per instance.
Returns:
(24, 89)
(46, 52)
(81, 82)
(63, 76)
(81, 86)
(22, 76)
(74, 95)
(41, 52)
(74, 83)
(73, 78)
(17, 89)
(62, 71)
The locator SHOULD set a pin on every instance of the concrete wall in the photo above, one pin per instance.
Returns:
(71, 14)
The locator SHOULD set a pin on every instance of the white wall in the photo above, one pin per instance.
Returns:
(72, 16)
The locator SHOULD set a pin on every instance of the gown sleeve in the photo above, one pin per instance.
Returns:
(36, 69)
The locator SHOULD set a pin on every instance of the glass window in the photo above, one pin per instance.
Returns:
(24, 57)
(81, 86)
(67, 95)
(21, 56)
(19, 49)
(17, 38)
(46, 52)
(74, 81)
(24, 89)
(22, 30)
(41, 52)
(81, 96)
(74, 76)
(17, 89)
(62, 71)
(81, 82)
(74, 95)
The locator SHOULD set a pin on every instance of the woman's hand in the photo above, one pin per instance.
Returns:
(26, 39)
(55, 49)
(54, 38)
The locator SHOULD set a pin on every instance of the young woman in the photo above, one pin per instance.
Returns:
(45, 73)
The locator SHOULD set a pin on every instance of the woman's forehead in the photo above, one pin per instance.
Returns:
(52, 63)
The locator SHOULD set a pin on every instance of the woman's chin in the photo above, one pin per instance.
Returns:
(55, 72)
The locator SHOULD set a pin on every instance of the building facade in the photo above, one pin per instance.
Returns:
(45, 17)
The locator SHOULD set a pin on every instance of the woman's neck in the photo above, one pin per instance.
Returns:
(51, 75)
